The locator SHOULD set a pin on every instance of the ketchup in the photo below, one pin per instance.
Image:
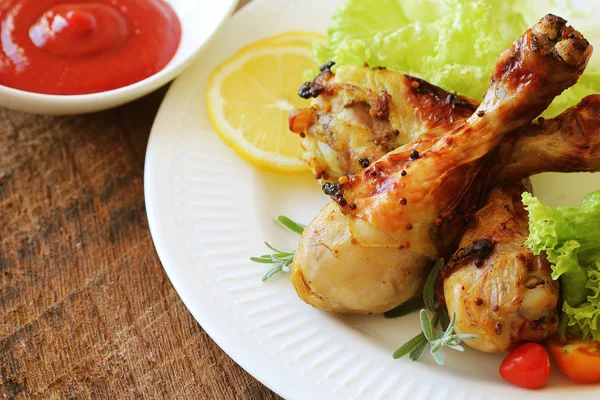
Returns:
(84, 46)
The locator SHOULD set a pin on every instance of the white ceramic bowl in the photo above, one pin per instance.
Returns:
(199, 21)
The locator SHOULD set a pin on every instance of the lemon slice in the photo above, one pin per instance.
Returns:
(297, 37)
(249, 98)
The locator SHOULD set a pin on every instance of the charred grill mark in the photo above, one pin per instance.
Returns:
(481, 249)
(551, 39)
(448, 107)
(318, 85)
(512, 63)
(310, 89)
(327, 66)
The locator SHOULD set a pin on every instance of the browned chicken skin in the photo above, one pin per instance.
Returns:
(363, 113)
(407, 208)
(499, 290)
(569, 142)
(342, 128)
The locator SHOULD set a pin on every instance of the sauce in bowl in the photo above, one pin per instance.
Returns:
(84, 46)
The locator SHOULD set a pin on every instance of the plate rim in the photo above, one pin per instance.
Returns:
(152, 167)
(224, 342)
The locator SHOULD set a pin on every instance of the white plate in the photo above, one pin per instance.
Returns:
(209, 212)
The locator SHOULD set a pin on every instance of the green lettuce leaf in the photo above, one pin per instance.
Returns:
(451, 43)
(570, 236)
(585, 319)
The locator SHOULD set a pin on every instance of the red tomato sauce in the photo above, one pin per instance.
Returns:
(84, 46)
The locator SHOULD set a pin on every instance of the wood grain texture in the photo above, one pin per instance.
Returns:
(86, 310)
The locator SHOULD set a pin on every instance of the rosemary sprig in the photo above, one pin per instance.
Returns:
(282, 260)
(429, 335)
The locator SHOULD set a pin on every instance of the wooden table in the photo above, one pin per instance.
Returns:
(86, 310)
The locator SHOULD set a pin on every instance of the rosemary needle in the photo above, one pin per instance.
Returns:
(291, 225)
(281, 260)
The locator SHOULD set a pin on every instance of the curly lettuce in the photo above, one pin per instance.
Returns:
(451, 43)
(570, 237)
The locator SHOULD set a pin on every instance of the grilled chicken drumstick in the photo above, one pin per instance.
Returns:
(569, 142)
(375, 111)
(509, 296)
(370, 250)
(499, 290)
(341, 134)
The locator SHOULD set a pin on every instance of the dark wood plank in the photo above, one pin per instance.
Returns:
(86, 310)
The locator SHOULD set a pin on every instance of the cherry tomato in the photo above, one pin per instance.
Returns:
(578, 359)
(527, 366)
